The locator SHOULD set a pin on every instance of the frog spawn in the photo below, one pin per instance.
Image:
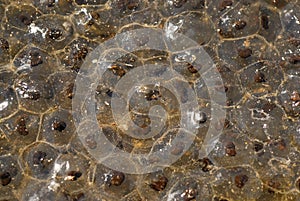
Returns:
(260, 92)
(10, 175)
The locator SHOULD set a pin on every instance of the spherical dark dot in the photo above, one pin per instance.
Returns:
(259, 77)
(120, 145)
(109, 92)
(224, 4)
(51, 3)
(280, 144)
(159, 183)
(54, 34)
(192, 69)
(240, 180)
(245, 52)
(59, 125)
(77, 174)
(33, 95)
(36, 58)
(205, 164)
(74, 175)
(227, 123)
(5, 178)
(226, 33)
(77, 55)
(95, 15)
(264, 20)
(132, 5)
(202, 117)
(25, 19)
(80, 53)
(21, 126)
(295, 96)
(268, 107)
(229, 102)
(258, 146)
(230, 149)
(240, 25)
(152, 95)
(4, 44)
(295, 59)
(117, 178)
(225, 88)
(118, 70)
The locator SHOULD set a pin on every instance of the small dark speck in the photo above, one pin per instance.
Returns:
(5, 178)
(240, 25)
(264, 19)
(245, 52)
